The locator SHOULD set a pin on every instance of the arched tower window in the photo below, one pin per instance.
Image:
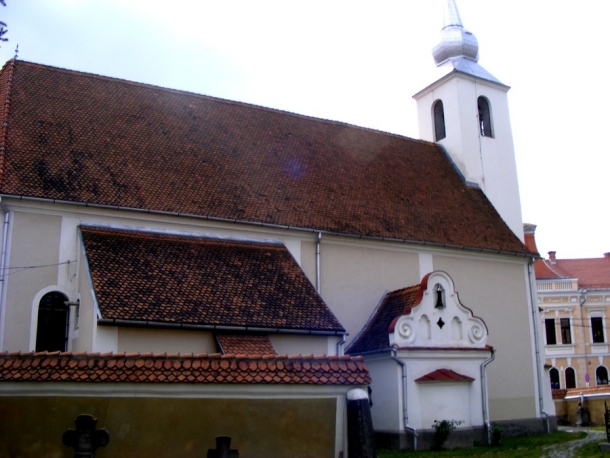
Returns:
(52, 330)
(439, 121)
(570, 378)
(554, 373)
(601, 375)
(484, 117)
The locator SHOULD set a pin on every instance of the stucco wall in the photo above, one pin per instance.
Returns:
(147, 427)
(496, 292)
(34, 244)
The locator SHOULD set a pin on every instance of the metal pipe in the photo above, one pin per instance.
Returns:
(3, 255)
(484, 394)
(405, 412)
(318, 240)
(583, 299)
(539, 362)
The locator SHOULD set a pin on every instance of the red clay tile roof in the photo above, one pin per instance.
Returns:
(586, 391)
(592, 273)
(374, 335)
(559, 394)
(444, 375)
(200, 281)
(162, 368)
(245, 344)
(84, 138)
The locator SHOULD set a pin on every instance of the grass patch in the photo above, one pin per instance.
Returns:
(522, 447)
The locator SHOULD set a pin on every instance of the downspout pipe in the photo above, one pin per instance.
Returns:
(318, 240)
(405, 412)
(539, 362)
(340, 345)
(3, 255)
(484, 394)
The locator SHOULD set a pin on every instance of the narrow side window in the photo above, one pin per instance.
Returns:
(554, 373)
(439, 121)
(570, 378)
(484, 117)
(52, 329)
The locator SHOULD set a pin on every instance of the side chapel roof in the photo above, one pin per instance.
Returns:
(193, 281)
(82, 138)
(374, 335)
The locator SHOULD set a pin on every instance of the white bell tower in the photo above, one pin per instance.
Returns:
(466, 111)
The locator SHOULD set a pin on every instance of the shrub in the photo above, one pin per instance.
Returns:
(442, 430)
(496, 435)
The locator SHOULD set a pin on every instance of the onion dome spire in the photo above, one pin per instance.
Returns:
(456, 41)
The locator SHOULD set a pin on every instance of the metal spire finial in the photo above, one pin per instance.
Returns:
(456, 42)
(16, 51)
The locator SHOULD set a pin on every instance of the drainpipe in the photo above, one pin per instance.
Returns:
(583, 299)
(340, 345)
(3, 255)
(318, 239)
(539, 362)
(405, 412)
(484, 394)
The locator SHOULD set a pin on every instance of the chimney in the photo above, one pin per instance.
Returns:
(552, 257)
(529, 231)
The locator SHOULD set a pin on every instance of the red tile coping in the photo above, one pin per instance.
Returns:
(242, 344)
(590, 391)
(444, 375)
(183, 368)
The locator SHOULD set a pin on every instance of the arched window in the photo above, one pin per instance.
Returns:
(484, 117)
(570, 378)
(439, 121)
(52, 330)
(554, 373)
(601, 375)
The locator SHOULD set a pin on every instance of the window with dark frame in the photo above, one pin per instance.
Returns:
(601, 375)
(484, 117)
(570, 378)
(551, 336)
(554, 373)
(52, 328)
(597, 329)
(566, 334)
(439, 121)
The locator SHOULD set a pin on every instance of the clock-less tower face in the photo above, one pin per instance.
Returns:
(466, 111)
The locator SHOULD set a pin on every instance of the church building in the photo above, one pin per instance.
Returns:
(183, 267)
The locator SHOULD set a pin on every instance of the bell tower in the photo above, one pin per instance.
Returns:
(466, 111)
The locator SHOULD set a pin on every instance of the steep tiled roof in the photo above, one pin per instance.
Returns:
(374, 335)
(244, 344)
(200, 281)
(84, 138)
(444, 375)
(162, 368)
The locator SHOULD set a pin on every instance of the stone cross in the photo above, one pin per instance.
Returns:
(223, 449)
(85, 439)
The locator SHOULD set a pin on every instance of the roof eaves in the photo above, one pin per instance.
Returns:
(214, 327)
(275, 226)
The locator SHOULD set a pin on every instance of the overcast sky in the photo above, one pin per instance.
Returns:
(360, 62)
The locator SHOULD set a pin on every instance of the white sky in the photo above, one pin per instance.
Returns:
(360, 62)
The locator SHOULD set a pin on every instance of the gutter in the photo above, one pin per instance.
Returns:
(484, 394)
(268, 225)
(214, 327)
(404, 398)
(318, 281)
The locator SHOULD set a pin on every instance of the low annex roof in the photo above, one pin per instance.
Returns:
(444, 375)
(82, 138)
(374, 335)
(182, 280)
(164, 368)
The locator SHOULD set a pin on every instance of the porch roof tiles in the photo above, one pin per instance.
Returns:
(182, 368)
